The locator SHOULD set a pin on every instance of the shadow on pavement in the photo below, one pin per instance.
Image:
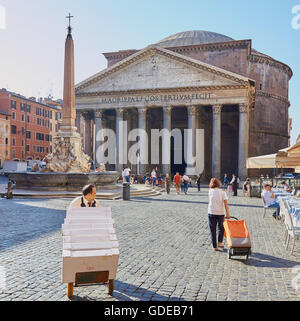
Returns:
(124, 292)
(24, 222)
(268, 261)
(148, 199)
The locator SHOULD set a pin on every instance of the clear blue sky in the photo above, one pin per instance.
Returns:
(32, 45)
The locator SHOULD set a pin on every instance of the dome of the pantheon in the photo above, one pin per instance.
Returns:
(194, 37)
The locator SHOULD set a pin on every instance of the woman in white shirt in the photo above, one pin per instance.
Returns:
(216, 212)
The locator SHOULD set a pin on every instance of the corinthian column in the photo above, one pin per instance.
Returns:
(190, 140)
(216, 141)
(166, 140)
(143, 141)
(78, 120)
(98, 115)
(243, 139)
(121, 140)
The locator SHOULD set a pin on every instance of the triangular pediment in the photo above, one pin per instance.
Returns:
(158, 68)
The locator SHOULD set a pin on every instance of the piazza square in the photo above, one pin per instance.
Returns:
(150, 165)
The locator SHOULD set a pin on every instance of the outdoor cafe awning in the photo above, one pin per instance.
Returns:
(265, 161)
(290, 157)
(297, 169)
(285, 158)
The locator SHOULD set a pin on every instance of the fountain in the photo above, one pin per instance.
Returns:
(68, 168)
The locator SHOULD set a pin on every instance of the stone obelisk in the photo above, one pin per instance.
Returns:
(69, 111)
(68, 155)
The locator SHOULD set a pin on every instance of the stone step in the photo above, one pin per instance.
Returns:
(140, 191)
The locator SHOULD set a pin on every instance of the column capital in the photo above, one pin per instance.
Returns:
(192, 110)
(167, 110)
(142, 111)
(216, 109)
(86, 115)
(120, 111)
(243, 108)
(99, 113)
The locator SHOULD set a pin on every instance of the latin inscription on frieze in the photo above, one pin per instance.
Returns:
(156, 98)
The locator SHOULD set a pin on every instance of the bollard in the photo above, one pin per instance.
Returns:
(9, 194)
(126, 191)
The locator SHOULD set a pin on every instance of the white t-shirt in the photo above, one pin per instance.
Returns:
(267, 197)
(216, 201)
(153, 174)
(126, 172)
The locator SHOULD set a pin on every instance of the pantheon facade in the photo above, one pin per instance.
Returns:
(190, 80)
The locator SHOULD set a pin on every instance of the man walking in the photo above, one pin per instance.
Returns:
(235, 184)
(186, 181)
(198, 181)
(168, 183)
(153, 176)
(177, 181)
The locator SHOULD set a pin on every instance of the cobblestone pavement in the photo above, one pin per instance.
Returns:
(165, 252)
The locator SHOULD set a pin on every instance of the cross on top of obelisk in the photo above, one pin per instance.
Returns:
(69, 27)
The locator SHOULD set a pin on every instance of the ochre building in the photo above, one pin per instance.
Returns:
(31, 124)
(196, 80)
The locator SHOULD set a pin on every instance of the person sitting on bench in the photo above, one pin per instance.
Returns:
(88, 198)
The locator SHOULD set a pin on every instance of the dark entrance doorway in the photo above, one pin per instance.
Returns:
(177, 167)
(230, 128)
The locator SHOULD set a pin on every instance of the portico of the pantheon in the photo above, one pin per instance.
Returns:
(191, 80)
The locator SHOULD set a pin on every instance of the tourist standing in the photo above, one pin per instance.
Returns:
(126, 174)
(153, 176)
(235, 184)
(131, 179)
(247, 187)
(168, 183)
(198, 181)
(216, 206)
(225, 181)
(185, 180)
(177, 182)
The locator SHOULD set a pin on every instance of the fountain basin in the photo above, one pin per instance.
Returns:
(63, 181)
